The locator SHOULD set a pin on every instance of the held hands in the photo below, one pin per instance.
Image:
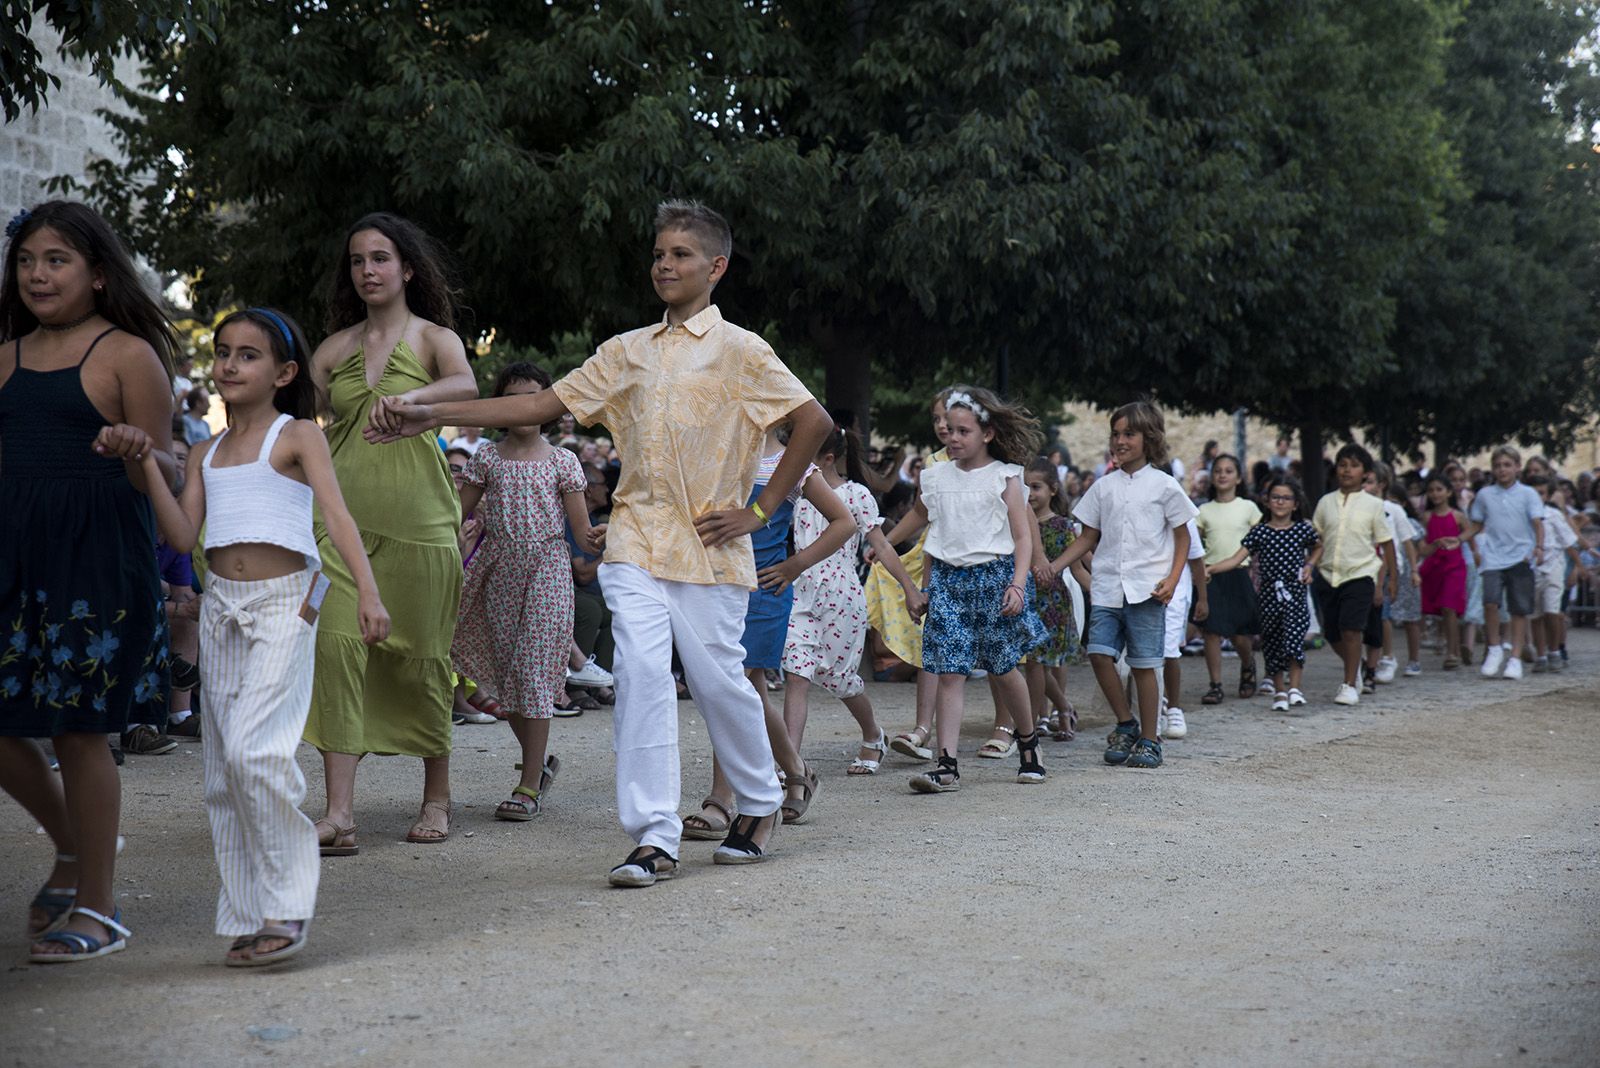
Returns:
(1416, 579)
(1305, 575)
(471, 528)
(596, 541)
(720, 527)
(1044, 576)
(393, 418)
(124, 442)
(1011, 600)
(916, 604)
(778, 577)
(374, 618)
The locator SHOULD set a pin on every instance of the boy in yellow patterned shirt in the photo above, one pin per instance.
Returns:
(687, 401)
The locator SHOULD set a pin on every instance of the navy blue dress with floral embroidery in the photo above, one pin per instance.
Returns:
(83, 640)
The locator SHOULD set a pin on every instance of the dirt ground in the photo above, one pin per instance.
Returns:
(1412, 881)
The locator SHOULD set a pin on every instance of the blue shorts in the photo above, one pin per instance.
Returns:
(1140, 628)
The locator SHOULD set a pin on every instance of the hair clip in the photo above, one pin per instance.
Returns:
(18, 221)
(965, 400)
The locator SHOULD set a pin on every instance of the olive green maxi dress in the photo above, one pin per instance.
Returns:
(393, 697)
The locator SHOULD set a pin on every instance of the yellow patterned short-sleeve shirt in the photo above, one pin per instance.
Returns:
(687, 407)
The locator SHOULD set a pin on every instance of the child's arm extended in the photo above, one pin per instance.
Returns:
(1180, 557)
(916, 600)
(178, 521)
(1313, 558)
(809, 425)
(1081, 546)
(397, 417)
(1230, 564)
(1024, 531)
(914, 522)
(311, 453)
(1040, 564)
(1389, 575)
(840, 526)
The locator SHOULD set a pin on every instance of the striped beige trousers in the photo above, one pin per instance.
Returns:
(256, 655)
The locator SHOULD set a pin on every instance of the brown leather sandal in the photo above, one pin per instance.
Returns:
(421, 835)
(340, 843)
(703, 828)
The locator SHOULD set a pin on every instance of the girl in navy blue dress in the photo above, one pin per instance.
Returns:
(85, 395)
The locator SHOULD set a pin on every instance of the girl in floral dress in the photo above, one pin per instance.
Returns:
(828, 623)
(1046, 667)
(514, 631)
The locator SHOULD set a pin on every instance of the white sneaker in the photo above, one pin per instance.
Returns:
(1177, 726)
(1513, 668)
(1413, 669)
(1280, 702)
(1386, 669)
(1265, 688)
(1161, 724)
(1296, 698)
(1494, 658)
(591, 674)
(1347, 695)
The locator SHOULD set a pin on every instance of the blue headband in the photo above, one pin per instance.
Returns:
(283, 328)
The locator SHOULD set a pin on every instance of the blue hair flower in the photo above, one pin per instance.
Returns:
(18, 221)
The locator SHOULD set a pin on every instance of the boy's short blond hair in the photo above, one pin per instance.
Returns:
(1146, 418)
(716, 236)
(1506, 450)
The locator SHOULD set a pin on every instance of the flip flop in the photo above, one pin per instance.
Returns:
(336, 845)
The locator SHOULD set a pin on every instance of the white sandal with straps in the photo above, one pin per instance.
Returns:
(870, 767)
(995, 749)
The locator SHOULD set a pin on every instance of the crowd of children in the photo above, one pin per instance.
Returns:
(360, 582)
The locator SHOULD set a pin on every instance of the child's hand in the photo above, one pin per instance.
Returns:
(916, 604)
(471, 527)
(123, 441)
(1165, 589)
(1044, 576)
(189, 609)
(720, 527)
(596, 542)
(1449, 543)
(1011, 601)
(1201, 610)
(393, 418)
(870, 555)
(1305, 575)
(374, 618)
(1416, 578)
(778, 577)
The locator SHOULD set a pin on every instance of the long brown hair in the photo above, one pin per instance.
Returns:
(1017, 436)
(123, 302)
(429, 294)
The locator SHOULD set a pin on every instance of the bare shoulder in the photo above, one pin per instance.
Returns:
(129, 352)
(437, 340)
(337, 347)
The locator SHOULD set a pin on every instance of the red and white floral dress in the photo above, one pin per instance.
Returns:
(514, 630)
(828, 624)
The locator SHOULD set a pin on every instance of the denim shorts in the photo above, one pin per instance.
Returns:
(1140, 628)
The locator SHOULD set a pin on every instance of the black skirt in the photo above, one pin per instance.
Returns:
(1231, 601)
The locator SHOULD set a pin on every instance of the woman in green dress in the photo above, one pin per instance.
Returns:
(391, 321)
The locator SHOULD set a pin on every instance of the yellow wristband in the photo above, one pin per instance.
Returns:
(755, 506)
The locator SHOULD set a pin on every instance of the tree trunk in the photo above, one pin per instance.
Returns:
(849, 382)
(1311, 459)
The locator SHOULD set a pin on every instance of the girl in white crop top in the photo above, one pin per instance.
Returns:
(981, 543)
(252, 490)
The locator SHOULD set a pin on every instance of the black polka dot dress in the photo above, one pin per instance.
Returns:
(1285, 618)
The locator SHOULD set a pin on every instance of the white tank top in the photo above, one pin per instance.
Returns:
(253, 503)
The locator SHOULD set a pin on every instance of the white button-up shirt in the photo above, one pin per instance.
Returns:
(1135, 515)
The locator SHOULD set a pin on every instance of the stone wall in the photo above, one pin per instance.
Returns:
(63, 136)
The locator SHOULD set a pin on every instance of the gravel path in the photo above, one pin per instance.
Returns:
(1410, 881)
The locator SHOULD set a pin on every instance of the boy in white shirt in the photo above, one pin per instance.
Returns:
(1135, 521)
(1550, 579)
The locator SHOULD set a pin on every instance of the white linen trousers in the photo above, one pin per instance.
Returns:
(648, 617)
(256, 658)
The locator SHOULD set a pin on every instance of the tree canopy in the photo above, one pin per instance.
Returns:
(1212, 202)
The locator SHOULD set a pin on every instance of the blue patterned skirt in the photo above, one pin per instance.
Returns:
(965, 631)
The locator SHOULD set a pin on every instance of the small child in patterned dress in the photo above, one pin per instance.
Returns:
(828, 623)
(1046, 667)
(514, 629)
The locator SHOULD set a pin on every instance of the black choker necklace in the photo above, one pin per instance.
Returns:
(58, 327)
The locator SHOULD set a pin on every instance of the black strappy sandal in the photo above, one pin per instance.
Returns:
(643, 870)
(1247, 678)
(1213, 696)
(740, 846)
(1031, 770)
(942, 779)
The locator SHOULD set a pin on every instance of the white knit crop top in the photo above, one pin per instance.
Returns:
(253, 503)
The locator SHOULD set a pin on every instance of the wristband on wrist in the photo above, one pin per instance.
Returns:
(755, 506)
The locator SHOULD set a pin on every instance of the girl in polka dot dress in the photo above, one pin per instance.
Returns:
(1286, 548)
(828, 623)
